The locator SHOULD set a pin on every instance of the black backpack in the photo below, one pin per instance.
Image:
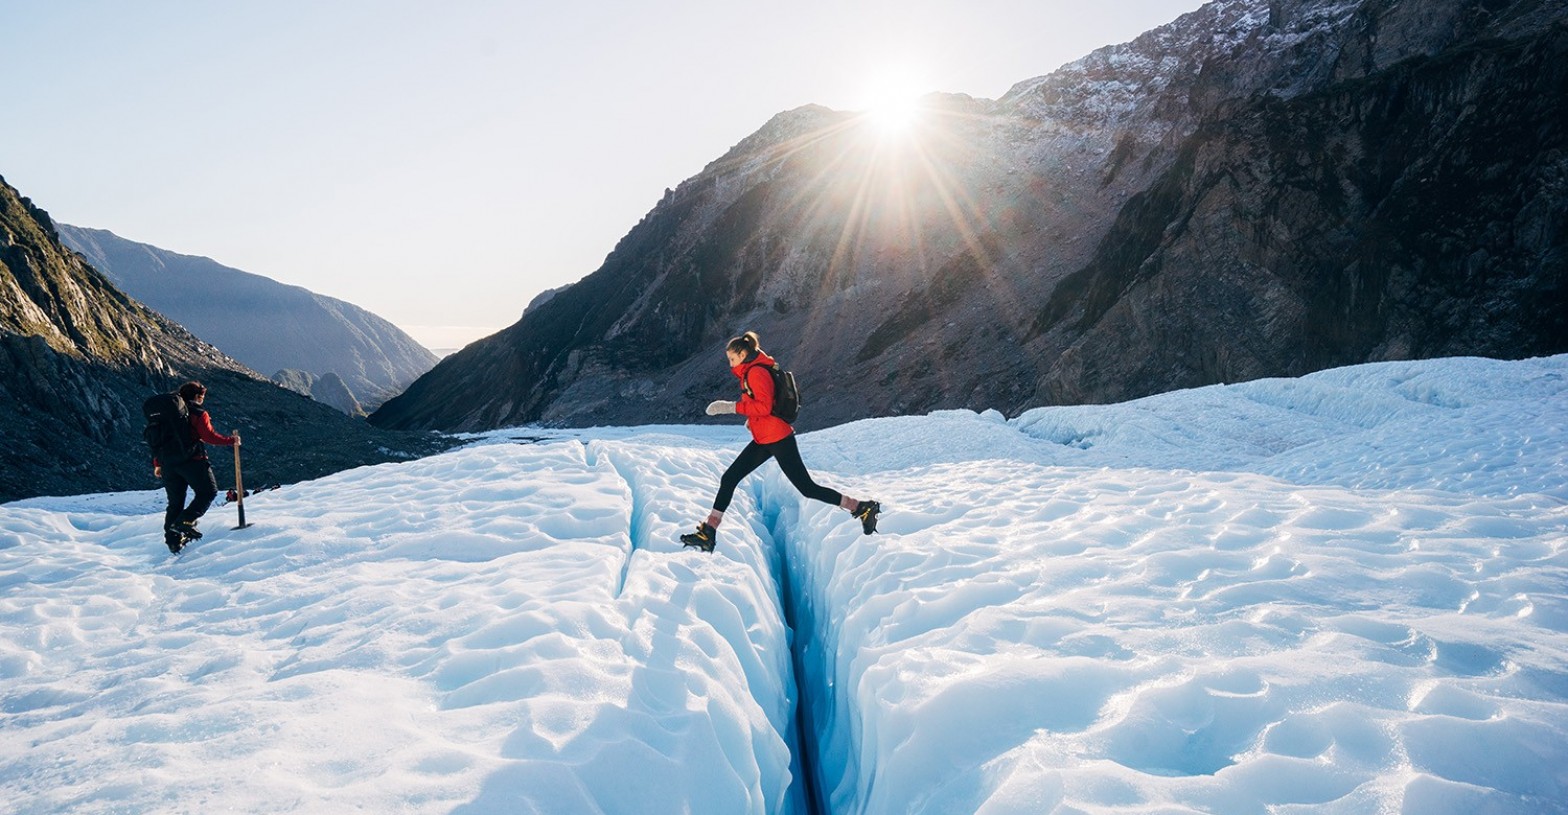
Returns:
(168, 432)
(786, 394)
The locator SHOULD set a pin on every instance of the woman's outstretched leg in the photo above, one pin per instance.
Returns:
(750, 458)
(745, 464)
(787, 452)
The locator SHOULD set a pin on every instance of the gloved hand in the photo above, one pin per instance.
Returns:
(720, 407)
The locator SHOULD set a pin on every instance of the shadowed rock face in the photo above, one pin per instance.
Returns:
(78, 357)
(1257, 189)
(327, 389)
(264, 324)
(1419, 211)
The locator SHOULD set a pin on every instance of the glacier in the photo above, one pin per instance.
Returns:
(1342, 593)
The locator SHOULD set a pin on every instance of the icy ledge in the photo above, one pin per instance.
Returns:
(1346, 593)
(478, 632)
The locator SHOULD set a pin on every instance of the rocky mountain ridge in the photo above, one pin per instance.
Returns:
(1260, 188)
(78, 356)
(267, 325)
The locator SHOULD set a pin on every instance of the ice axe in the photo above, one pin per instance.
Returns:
(239, 485)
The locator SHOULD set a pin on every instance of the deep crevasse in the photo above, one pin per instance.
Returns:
(664, 487)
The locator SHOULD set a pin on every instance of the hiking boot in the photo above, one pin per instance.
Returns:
(703, 538)
(185, 529)
(867, 512)
(173, 540)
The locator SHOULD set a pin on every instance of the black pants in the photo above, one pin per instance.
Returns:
(787, 452)
(197, 475)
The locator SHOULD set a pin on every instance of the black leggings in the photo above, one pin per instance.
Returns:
(787, 452)
(196, 474)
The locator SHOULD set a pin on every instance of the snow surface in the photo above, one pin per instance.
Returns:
(1345, 593)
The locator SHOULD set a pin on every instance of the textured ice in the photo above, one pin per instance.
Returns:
(1344, 593)
(475, 632)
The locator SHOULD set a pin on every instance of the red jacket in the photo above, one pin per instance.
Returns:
(201, 425)
(756, 401)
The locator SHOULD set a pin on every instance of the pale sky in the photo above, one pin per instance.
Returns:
(442, 163)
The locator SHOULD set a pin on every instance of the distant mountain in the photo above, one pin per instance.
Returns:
(78, 356)
(1260, 188)
(265, 324)
(327, 389)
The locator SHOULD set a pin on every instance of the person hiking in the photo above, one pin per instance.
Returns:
(771, 437)
(195, 473)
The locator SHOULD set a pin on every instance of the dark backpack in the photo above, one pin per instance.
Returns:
(168, 432)
(786, 395)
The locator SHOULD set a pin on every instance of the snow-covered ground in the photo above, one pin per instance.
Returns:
(1343, 593)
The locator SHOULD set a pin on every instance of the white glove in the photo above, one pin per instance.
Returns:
(720, 407)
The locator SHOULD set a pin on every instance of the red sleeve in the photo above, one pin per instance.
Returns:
(201, 422)
(760, 402)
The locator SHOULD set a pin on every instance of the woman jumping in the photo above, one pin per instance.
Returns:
(772, 437)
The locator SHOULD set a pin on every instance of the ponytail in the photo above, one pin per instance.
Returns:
(747, 344)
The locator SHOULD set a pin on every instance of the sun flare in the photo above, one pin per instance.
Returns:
(893, 102)
(895, 114)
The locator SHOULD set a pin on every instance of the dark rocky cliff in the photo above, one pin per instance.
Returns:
(1262, 187)
(78, 356)
(265, 324)
(1416, 210)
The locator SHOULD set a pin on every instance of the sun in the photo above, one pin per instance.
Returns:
(892, 102)
(895, 114)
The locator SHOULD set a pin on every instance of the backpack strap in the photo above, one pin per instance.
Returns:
(745, 380)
